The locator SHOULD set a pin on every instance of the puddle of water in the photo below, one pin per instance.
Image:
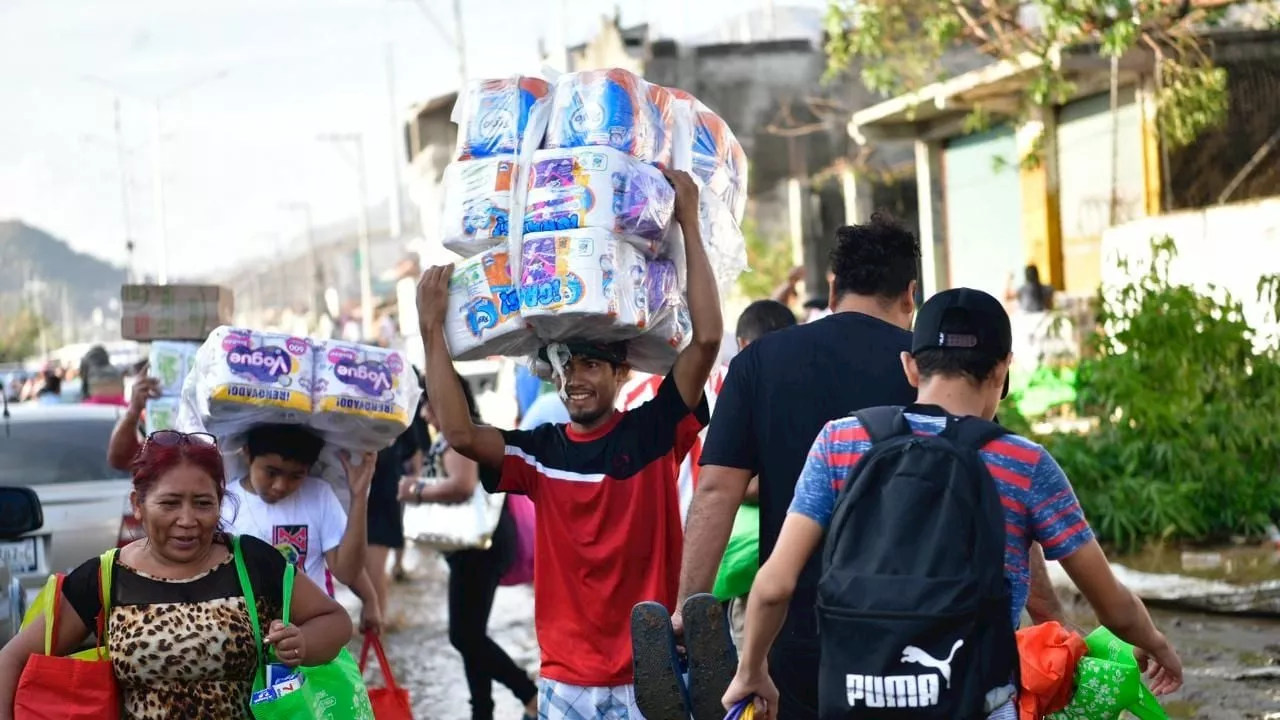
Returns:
(1241, 564)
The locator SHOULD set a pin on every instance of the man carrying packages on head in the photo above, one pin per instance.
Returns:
(609, 533)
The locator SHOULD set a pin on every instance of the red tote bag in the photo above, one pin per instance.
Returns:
(68, 688)
(390, 702)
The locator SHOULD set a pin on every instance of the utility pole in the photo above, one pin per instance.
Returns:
(366, 266)
(157, 179)
(124, 194)
(315, 297)
(460, 44)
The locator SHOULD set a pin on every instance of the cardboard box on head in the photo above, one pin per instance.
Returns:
(173, 312)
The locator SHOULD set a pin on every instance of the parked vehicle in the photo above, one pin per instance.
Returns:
(60, 452)
(20, 518)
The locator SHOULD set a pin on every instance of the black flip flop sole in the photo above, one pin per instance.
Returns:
(660, 691)
(713, 661)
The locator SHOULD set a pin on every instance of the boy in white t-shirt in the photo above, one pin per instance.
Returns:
(281, 504)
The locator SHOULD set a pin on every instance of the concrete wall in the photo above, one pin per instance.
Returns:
(1229, 246)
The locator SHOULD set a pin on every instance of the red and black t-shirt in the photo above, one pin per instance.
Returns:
(609, 533)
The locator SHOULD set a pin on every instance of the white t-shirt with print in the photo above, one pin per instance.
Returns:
(303, 526)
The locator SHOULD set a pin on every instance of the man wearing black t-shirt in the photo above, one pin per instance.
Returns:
(778, 394)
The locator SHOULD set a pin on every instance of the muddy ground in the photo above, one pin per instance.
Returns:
(1214, 650)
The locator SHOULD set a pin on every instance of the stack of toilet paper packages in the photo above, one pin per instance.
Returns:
(168, 362)
(596, 213)
(360, 398)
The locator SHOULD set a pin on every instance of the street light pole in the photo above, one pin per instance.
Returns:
(316, 295)
(157, 178)
(124, 192)
(366, 266)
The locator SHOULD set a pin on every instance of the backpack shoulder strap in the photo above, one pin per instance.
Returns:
(972, 432)
(883, 423)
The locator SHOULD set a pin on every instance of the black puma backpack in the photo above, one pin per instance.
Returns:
(913, 608)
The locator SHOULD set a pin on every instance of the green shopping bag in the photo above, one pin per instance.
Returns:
(1108, 682)
(333, 691)
(741, 556)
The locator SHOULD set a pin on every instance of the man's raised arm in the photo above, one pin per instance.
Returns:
(694, 364)
(481, 443)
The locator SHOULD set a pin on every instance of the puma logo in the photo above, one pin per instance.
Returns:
(913, 654)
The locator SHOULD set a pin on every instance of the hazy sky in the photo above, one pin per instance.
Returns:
(238, 146)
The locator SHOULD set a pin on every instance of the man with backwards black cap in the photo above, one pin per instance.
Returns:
(609, 532)
(959, 361)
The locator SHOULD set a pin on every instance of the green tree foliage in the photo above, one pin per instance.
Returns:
(770, 263)
(1187, 447)
(20, 336)
(899, 46)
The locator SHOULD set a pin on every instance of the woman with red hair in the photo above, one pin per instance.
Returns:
(179, 633)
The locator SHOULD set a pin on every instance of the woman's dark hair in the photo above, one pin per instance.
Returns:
(877, 259)
(763, 317)
(294, 443)
(1031, 274)
(52, 384)
(469, 395)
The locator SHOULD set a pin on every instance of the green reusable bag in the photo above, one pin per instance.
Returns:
(333, 691)
(1108, 682)
(741, 556)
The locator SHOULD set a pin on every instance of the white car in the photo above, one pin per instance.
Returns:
(60, 452)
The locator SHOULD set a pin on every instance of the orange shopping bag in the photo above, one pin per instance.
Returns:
(390, 702)
(69, 688)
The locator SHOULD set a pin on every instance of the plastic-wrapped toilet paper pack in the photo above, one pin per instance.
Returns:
(599, 187)
(494, 116)
(243, 377)
(484, 316)
(718, 158)
(478, 197)
(614, 108)
(585, 284)
(364, 396)
(162, 412)
(169, 362)
(669, 327)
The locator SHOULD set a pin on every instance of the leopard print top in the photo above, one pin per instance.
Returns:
(184, 648)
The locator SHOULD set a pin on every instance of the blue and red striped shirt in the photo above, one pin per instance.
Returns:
(1039, 504)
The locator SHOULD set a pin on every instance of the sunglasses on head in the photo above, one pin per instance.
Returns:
(173, 438)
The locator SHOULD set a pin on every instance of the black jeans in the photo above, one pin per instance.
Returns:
(473, 580)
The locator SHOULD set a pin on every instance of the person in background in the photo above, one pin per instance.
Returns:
(413, 466)
(180, 638)
(97, 357)
(547, 409)
(106, 386)
(528, 387)
(50, 392)
(959, 359)
(777, 396)
(1033, 296)
(474, 575)
(281, 503)
(759, 319)
(386, 514)
(816, 309)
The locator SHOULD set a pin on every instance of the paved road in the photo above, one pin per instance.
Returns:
(1214, 649)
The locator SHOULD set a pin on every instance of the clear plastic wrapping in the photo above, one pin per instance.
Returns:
(362, 396)
(493, 116)
(586, 283)
(359, 398)
(669, 328)
(599, 187)
(614, 108)
(484, 316)
(718, 158)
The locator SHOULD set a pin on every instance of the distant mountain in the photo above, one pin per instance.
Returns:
(27, 252)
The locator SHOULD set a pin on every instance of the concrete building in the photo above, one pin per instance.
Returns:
(1043, 190)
